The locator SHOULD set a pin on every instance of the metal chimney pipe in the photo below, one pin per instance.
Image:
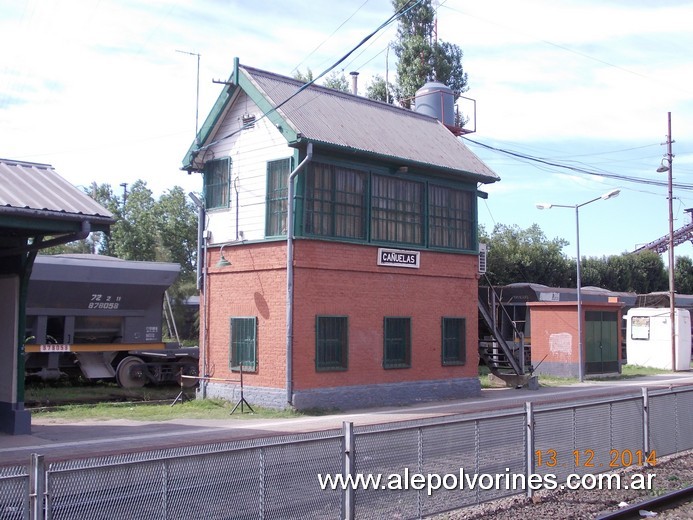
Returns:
(354, 83)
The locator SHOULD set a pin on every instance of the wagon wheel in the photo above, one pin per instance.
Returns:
(187, 369)
(130, 373)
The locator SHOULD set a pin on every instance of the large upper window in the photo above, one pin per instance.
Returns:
(397, 209)
(243, 348)
(217, 183)
(397, 343)
(331, 343)
(277, 177)
(453, 344)
(450, 217)
(361, 205)
(335, 202)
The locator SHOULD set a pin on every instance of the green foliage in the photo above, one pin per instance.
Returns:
(683, 275)
(336, 81)
(134, 236)
(525, 255)
(378, 90)
(421, 57)
(304, 77)
(176, 223)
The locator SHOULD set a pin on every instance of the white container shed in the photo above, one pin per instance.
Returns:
(648, 338)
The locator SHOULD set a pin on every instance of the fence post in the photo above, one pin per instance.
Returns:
(37, 482)
(263, 484)
(530, 446)
(349, 466)
(164, 488)
(646, 421)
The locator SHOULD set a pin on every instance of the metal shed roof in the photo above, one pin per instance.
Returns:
(36, 190)
(349, 122)
(326, 115)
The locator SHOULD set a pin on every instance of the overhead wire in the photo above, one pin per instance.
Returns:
(605, 174)
(406, 8)
(330, 36)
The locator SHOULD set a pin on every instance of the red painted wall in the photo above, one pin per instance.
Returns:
(553, 318)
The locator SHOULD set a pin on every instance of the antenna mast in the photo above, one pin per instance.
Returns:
(197, 97)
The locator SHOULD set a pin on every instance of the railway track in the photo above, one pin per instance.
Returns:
(672, 487)
(667, 502)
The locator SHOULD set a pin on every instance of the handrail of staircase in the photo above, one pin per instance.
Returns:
(517, 331)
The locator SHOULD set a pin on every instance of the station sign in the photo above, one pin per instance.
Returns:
(398, 258)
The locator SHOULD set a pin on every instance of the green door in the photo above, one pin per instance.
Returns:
(601, 342)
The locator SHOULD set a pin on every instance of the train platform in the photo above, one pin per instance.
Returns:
(58, 439)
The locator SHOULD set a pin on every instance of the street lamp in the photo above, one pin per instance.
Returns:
(544, 205)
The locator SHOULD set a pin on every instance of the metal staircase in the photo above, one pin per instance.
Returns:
(508, 360)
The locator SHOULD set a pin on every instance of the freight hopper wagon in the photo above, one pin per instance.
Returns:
(101, 318)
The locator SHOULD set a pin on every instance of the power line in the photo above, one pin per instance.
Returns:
(604, 174)
(387, 22)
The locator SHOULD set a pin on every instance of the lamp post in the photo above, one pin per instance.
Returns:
(672, 304)
(576, 207)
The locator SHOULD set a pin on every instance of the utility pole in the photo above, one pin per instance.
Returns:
(124, 185)
(669, 158)
(672, 293)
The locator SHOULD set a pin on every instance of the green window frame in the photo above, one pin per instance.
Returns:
(277, 195)
(397, 210)
(397, 342)
(331, 343)
(453, 349)
(217, 183)
(335, 201)
(243, 344)
(450, 217)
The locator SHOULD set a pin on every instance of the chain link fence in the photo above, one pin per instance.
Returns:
(277, 478)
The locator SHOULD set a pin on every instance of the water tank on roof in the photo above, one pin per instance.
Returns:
(437, 100)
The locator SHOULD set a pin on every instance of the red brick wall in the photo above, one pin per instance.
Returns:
(344, 279)
(253, 285)
(332, 278)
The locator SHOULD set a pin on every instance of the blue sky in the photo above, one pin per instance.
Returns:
(97, 89)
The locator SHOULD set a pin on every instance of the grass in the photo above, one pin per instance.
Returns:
(627, 372)
(193, 409)
(86, 400)
(59, 392)
(50, 398)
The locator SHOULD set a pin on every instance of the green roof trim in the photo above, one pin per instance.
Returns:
(266, 107)
(238, 79)
(208, 126)
(421, 165)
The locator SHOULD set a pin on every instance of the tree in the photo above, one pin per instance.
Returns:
(683, 275)
(176, 222)
(379, 91)
(336, 81)
(525, 255)
(306, 77)
(421, 57)
(97, 242)
(134, 236)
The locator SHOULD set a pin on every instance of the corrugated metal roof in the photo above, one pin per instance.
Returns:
(326, 115)
(38, 187)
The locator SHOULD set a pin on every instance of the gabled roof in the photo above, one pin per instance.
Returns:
(353, 123)
(36, 192)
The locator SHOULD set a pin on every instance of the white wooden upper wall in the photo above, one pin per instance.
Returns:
(250, 150)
